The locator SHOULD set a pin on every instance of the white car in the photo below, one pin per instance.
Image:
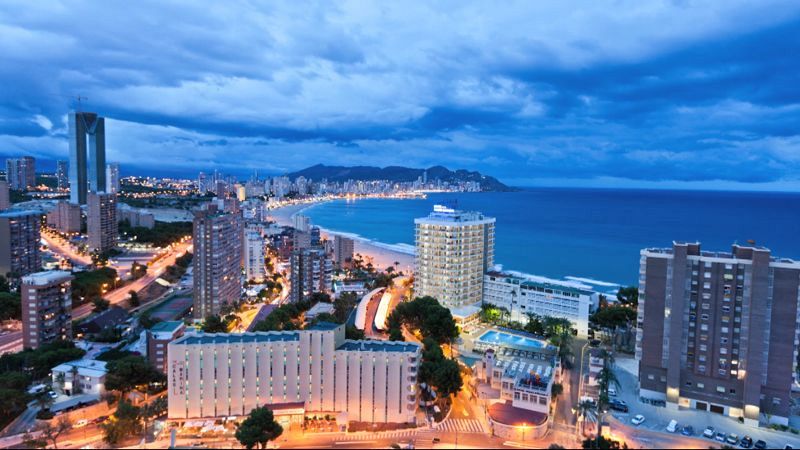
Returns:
(709, 432)
(612, 391)
(637, 419)
(81, 423)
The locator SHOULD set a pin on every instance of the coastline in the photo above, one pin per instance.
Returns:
(381, 255)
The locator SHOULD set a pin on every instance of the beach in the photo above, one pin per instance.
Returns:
(379, 254)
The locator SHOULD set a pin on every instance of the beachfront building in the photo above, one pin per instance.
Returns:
(312, 271)
(316, 368)
(217, 240)
(254, 264)
(523, 296)
(19, 243)
(343, 248)
(46, 308)
(718, 331)
(5, 196)
(453, 251)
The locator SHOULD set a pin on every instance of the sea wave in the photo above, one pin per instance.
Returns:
(592, 281)
(542, 279)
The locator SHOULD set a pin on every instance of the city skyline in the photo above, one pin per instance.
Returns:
(531, 86)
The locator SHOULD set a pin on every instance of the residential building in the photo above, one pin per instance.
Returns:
(254, 265)
(312, 271)
(217, 240)
(65, 217)
(101, 221)
(5, 196)
(316, 368)
(87, 160)
(112, 178)
(719, 331)
(302, 223)
(343, 248)
(301, 239)
(19, 243)
(81, 377)
(136, 217)
(522, 296)
(158, 337)
(62, 174)
(358, 287)
(46, 308)
(317, 309)
(453, 251)
(21, 173)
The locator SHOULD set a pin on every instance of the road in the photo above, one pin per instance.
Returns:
(64, 249)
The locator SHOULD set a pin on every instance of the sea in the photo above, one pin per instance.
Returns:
(585, 235)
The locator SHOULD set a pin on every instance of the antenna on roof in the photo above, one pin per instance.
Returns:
(78, 98)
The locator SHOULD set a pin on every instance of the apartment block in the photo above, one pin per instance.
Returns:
(19, 243)
(46, 308)
(254, 265)
(65, 217)
(158, 338)
(101, 221)
(21, 173)
(5, 196)
(312, 271)
(343, 249)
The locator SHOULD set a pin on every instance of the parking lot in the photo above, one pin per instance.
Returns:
(657, 418)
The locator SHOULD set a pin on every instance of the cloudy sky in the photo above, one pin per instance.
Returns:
(605, 93)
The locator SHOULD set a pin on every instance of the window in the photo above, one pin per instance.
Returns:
(731, 391)
(651, 377)
(701, 386)
(724, 330)
(703, 347)
(721, 389)
(701, 368)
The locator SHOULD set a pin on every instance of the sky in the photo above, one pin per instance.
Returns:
(683, 93)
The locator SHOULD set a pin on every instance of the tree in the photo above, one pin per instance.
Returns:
(534, 325)
(258, 429)
(28, 441)
(214, 324)
(4, 286)
(556, 390)
(126, 422)
(586, 410)
(128, 373)
(351, 332)
(555, 447)
(447, 378)
(10, 306)
(100, 305)
(614, 316)
(50, 433)
(133, 300)
(601, 442)
(628, 296)
(343, 306)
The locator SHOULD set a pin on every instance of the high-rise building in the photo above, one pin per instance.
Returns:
(217, 240)
(62, 174)
(5, 196)
(315, 235)
(65, 217)
(302, 223)
(46, 308)
(21, 173)
(19, 243)
(453, 251)
(112, 178)
(312, 271)
(315, 369)
(343, 248)
(254, 267)
(158, 337)
(101, 221)
(719, 331)
(87, 171)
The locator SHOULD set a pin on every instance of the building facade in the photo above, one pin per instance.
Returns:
(158, 338)
(217, 240)
(254, 266)
(453, 251)
(101, 221)
(87, 158)
(46, 308)
(718, 331)
(19, 243)
(21, 173)
(65, 217)
(312, 271)
(343, 248)
(5, 196)
(81, 377)
(136, 217)
(521, 296)
(62, 174)
(220, 375)
(112, 178)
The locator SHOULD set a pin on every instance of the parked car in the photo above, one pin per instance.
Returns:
(81, 423)
(732, 439)
(720, 436)
(618, 405)
(612, 391)
(637, 419)
(100, 419)
(746, 442)
(687, 430)
(760, 444)
(52, 394)
(673, 426)
(709, 432)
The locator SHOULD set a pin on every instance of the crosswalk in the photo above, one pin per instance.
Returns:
(461, 425)
(398, 434)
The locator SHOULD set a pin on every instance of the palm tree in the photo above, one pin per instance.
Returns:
(586, 410)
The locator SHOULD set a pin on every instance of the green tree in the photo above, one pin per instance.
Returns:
(447, 378)
(100, 304)
(128, 373)
(556, 390)
(4, 286)
(258, 429)
(614, 316)
(133, 299)
(10, 306)
(628, 296)
(214, 324)
(601, 442)
(343, 306)
(51, 432)
(127, 422)
(587, 411)
(534, 325)
(351, 332)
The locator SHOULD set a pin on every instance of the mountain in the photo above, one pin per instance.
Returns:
(397, 173)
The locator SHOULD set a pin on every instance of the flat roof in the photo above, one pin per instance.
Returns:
(325, 326)
(465, 310)
(12, 214)
(47, 277)
(169, 326)
(237, 338)
(379, 346)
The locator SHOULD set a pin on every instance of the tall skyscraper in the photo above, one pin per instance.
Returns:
(5, 196)
(719, 331)
(101, 222)
(217, 240)
(87, 171)
(453, 251)
(21, 173)
(46, 308)
(312, 271)
(62, 174)
(254, 267)
(342, 251)
(112, 178)
(19, 243)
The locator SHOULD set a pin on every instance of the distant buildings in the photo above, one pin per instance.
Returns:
(343, 251)
(254, 266)
(718, 331)
(87, 171)
(46, 308)
(136, 217)
(19, 243)
(520, 297)
(5, 196)
(313, 370)
(112, 178)
(65, 217)
(158, 337)
(62, 174)
(302, 223)
(312, 271)
(217, 240)
(101, 222)
(21, 173)
(453, 251)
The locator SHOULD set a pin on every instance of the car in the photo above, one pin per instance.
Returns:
(100, 419)
(732, 439)
(760, 444)
(637, 419)
(81, 423)
(687, 430)
(720, 436)
(709, 432)
(746, 442)
(52, 394)
(618, 405)
(673, 426)
(612, 391)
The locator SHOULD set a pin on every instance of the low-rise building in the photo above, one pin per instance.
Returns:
(158, 337)
(110, 318)
(82, 376)
(357, 287)
(319, 308)
(65, 217)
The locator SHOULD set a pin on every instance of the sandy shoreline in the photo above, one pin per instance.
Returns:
(379, 256)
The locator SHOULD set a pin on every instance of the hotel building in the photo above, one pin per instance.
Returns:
(220, 375)
(521, 296)
(453, 251)
(46, 308)
(718, 331)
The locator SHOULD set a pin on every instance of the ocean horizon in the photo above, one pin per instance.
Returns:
(588, 235)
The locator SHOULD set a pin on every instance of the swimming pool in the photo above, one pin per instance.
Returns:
(510, 340)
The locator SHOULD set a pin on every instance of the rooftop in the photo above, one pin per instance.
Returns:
(444, 214)
(508, 414)
(325, 326)
(86, 367)
(379, 346)
(170, 326)
(13, 214)
(45, 278)
(566, 286)
(237, 338)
